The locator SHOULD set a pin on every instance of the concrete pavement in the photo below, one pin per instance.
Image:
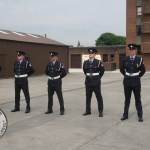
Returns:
(37, 131)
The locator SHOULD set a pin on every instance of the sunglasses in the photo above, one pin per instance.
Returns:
(92, 53)
(131, 49)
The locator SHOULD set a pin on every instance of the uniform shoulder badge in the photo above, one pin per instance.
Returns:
(62, 65)
(29, 64)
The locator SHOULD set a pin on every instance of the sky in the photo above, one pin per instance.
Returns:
(66, 21)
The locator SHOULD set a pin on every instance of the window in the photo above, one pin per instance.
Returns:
(139, 11)
(18, 33)
(138, 31)
(138, 49)
(112, 58)
(105, 57)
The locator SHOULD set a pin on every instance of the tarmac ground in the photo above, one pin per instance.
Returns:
(72, 131)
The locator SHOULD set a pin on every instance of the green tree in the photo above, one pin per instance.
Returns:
(120, 40)
(110, 39)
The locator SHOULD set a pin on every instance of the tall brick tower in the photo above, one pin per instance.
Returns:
(138, 27)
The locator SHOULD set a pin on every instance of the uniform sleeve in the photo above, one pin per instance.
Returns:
(14, 68)
(142, 68)
(63, 71)
(46, 70)
(84, 69)
(101, 68)
(122, 69)
(30, 68)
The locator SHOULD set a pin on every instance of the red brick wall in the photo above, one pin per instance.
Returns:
(130, 22)
(131, 15)
(115, 50)
(146, 38)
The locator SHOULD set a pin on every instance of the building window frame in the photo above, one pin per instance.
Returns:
(139, 52)
(112, 59)
(139, 10)
(139, 30)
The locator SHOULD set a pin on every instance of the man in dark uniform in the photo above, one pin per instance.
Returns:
(55, 72)
(133, 69)
(94, 70)
(22, 69)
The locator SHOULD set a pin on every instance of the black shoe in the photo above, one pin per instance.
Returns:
(27, 111)
(49, 112)
(15, 109)
(123, 118)
(101, 114)
(62, 113)
(86, 113)
(140, 119)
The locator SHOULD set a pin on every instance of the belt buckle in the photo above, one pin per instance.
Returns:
(131, 74)
(52, 78)
(91, 74)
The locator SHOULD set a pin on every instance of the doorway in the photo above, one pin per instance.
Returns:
(121, 56)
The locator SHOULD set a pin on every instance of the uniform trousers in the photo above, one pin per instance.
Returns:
(58, 91)
(25, 90)
(97, 91)
(137, 94)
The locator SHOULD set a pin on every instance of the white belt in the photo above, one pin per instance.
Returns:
(21, 76)
(132, 74)
(92, 74)
(53, 78)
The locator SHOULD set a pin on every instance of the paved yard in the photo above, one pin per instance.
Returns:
(37, 131)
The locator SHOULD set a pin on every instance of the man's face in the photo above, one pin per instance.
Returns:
(20, 57)
(53, 58)
(133, 52)
(92, 55)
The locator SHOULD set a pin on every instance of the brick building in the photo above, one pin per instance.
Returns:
(35, 46)
(109, 54)
(138, 27)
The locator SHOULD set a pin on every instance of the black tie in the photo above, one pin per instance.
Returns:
(90, 61)
(131, 58)
(52, 64)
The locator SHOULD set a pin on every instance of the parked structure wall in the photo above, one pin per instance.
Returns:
(37, 53)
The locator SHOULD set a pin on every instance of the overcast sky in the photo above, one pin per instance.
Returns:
(66, 21)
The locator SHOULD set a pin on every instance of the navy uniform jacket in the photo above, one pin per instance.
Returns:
(132, 67)
(54, 71)
(21, 69)
(95, 67)
(0, 67)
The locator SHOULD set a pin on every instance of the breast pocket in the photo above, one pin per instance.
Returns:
(126, 64)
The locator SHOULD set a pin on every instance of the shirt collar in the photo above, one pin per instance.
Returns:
(91, 60)
(54, 62)
(21, 61)
(132, 56)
